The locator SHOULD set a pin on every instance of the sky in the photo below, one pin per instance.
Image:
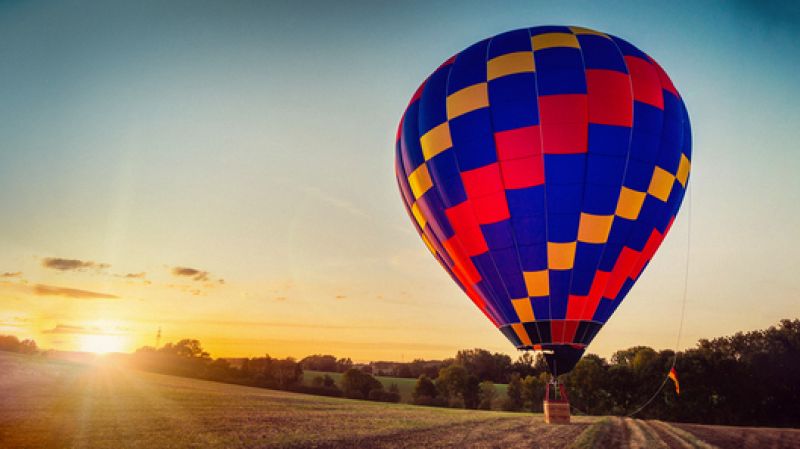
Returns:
(224, 171)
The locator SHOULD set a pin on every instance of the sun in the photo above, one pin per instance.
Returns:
(101, 344)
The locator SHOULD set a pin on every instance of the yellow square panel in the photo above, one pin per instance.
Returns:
(510, 63)
(594, 228)
(524, 309)
(560, 256)
(683, 170)
(519, 329)
(661, 183)
(420, 181)
(435, 141)
(418, 215)
(537, 283)
(467, 99)
(582, 30)
(549, 40)
(630, 203)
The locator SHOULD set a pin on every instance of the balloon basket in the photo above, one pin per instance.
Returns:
(556, 406)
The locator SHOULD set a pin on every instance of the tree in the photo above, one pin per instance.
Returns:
(425, 392)
(533, 391)
(319, 362)
(357, 384)
(488, 394)
(513, 401)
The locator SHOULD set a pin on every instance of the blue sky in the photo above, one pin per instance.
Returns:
(254, 141)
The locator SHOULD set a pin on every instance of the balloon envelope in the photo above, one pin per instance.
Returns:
(542, 168)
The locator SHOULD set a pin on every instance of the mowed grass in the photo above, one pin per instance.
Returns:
(404, 385)
(47, 404)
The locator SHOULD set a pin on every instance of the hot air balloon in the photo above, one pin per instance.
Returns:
(542, 168)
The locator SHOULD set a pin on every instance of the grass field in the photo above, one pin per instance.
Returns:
(404, 385)
(52, 404)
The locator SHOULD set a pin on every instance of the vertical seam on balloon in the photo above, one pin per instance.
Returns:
(544, 187)
(502, 181)
(583, 190)
(489, 305)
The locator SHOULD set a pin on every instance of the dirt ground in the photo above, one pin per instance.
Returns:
(744, 437)
(49, 404)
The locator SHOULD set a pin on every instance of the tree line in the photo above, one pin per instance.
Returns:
(750, 378)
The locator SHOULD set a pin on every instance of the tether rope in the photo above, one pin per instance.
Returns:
(683, 304)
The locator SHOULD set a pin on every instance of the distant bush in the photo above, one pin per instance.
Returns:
(322, 390)
(357, 384)
(11, 343)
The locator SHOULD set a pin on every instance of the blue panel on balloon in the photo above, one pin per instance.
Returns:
(644, 146)
(605, 170)
(473, 140)
(446, 178)
(469, 67)
(541, 310)
(516, 88)
(672, 130)
(515, 115)
(432, 103)
(559, 292)
(601, 53)
(627, 49)
(564, 169)
(600, 200)
(647, 118)
(610, 256)
(638, 175)
(507, 263)
(529, 229)
(533, 257)
(564, 199)
(527, 201)
(534, 31)
(412, 151)
(512, 41)
(432, 208)
(638, 236)
(609, 139)
(582, 279)
(558, 58)
(562, 228)
(603, 311)
(562, 81)
(498, 235)
(667, 157)
(620, 228)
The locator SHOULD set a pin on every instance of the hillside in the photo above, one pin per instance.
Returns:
(48, 404)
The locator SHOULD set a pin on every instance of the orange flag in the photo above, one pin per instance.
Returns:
(674, 376)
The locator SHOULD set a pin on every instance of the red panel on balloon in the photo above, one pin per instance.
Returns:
(518, 143)
(610, 100)
(646, 85)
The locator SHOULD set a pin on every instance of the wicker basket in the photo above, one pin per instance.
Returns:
(556, 412)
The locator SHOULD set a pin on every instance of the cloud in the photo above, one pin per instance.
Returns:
(7, 274)
(135, 275)
(194, 273)
(341, 297)
(49, 290)
(79, 330)
(57, 263)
